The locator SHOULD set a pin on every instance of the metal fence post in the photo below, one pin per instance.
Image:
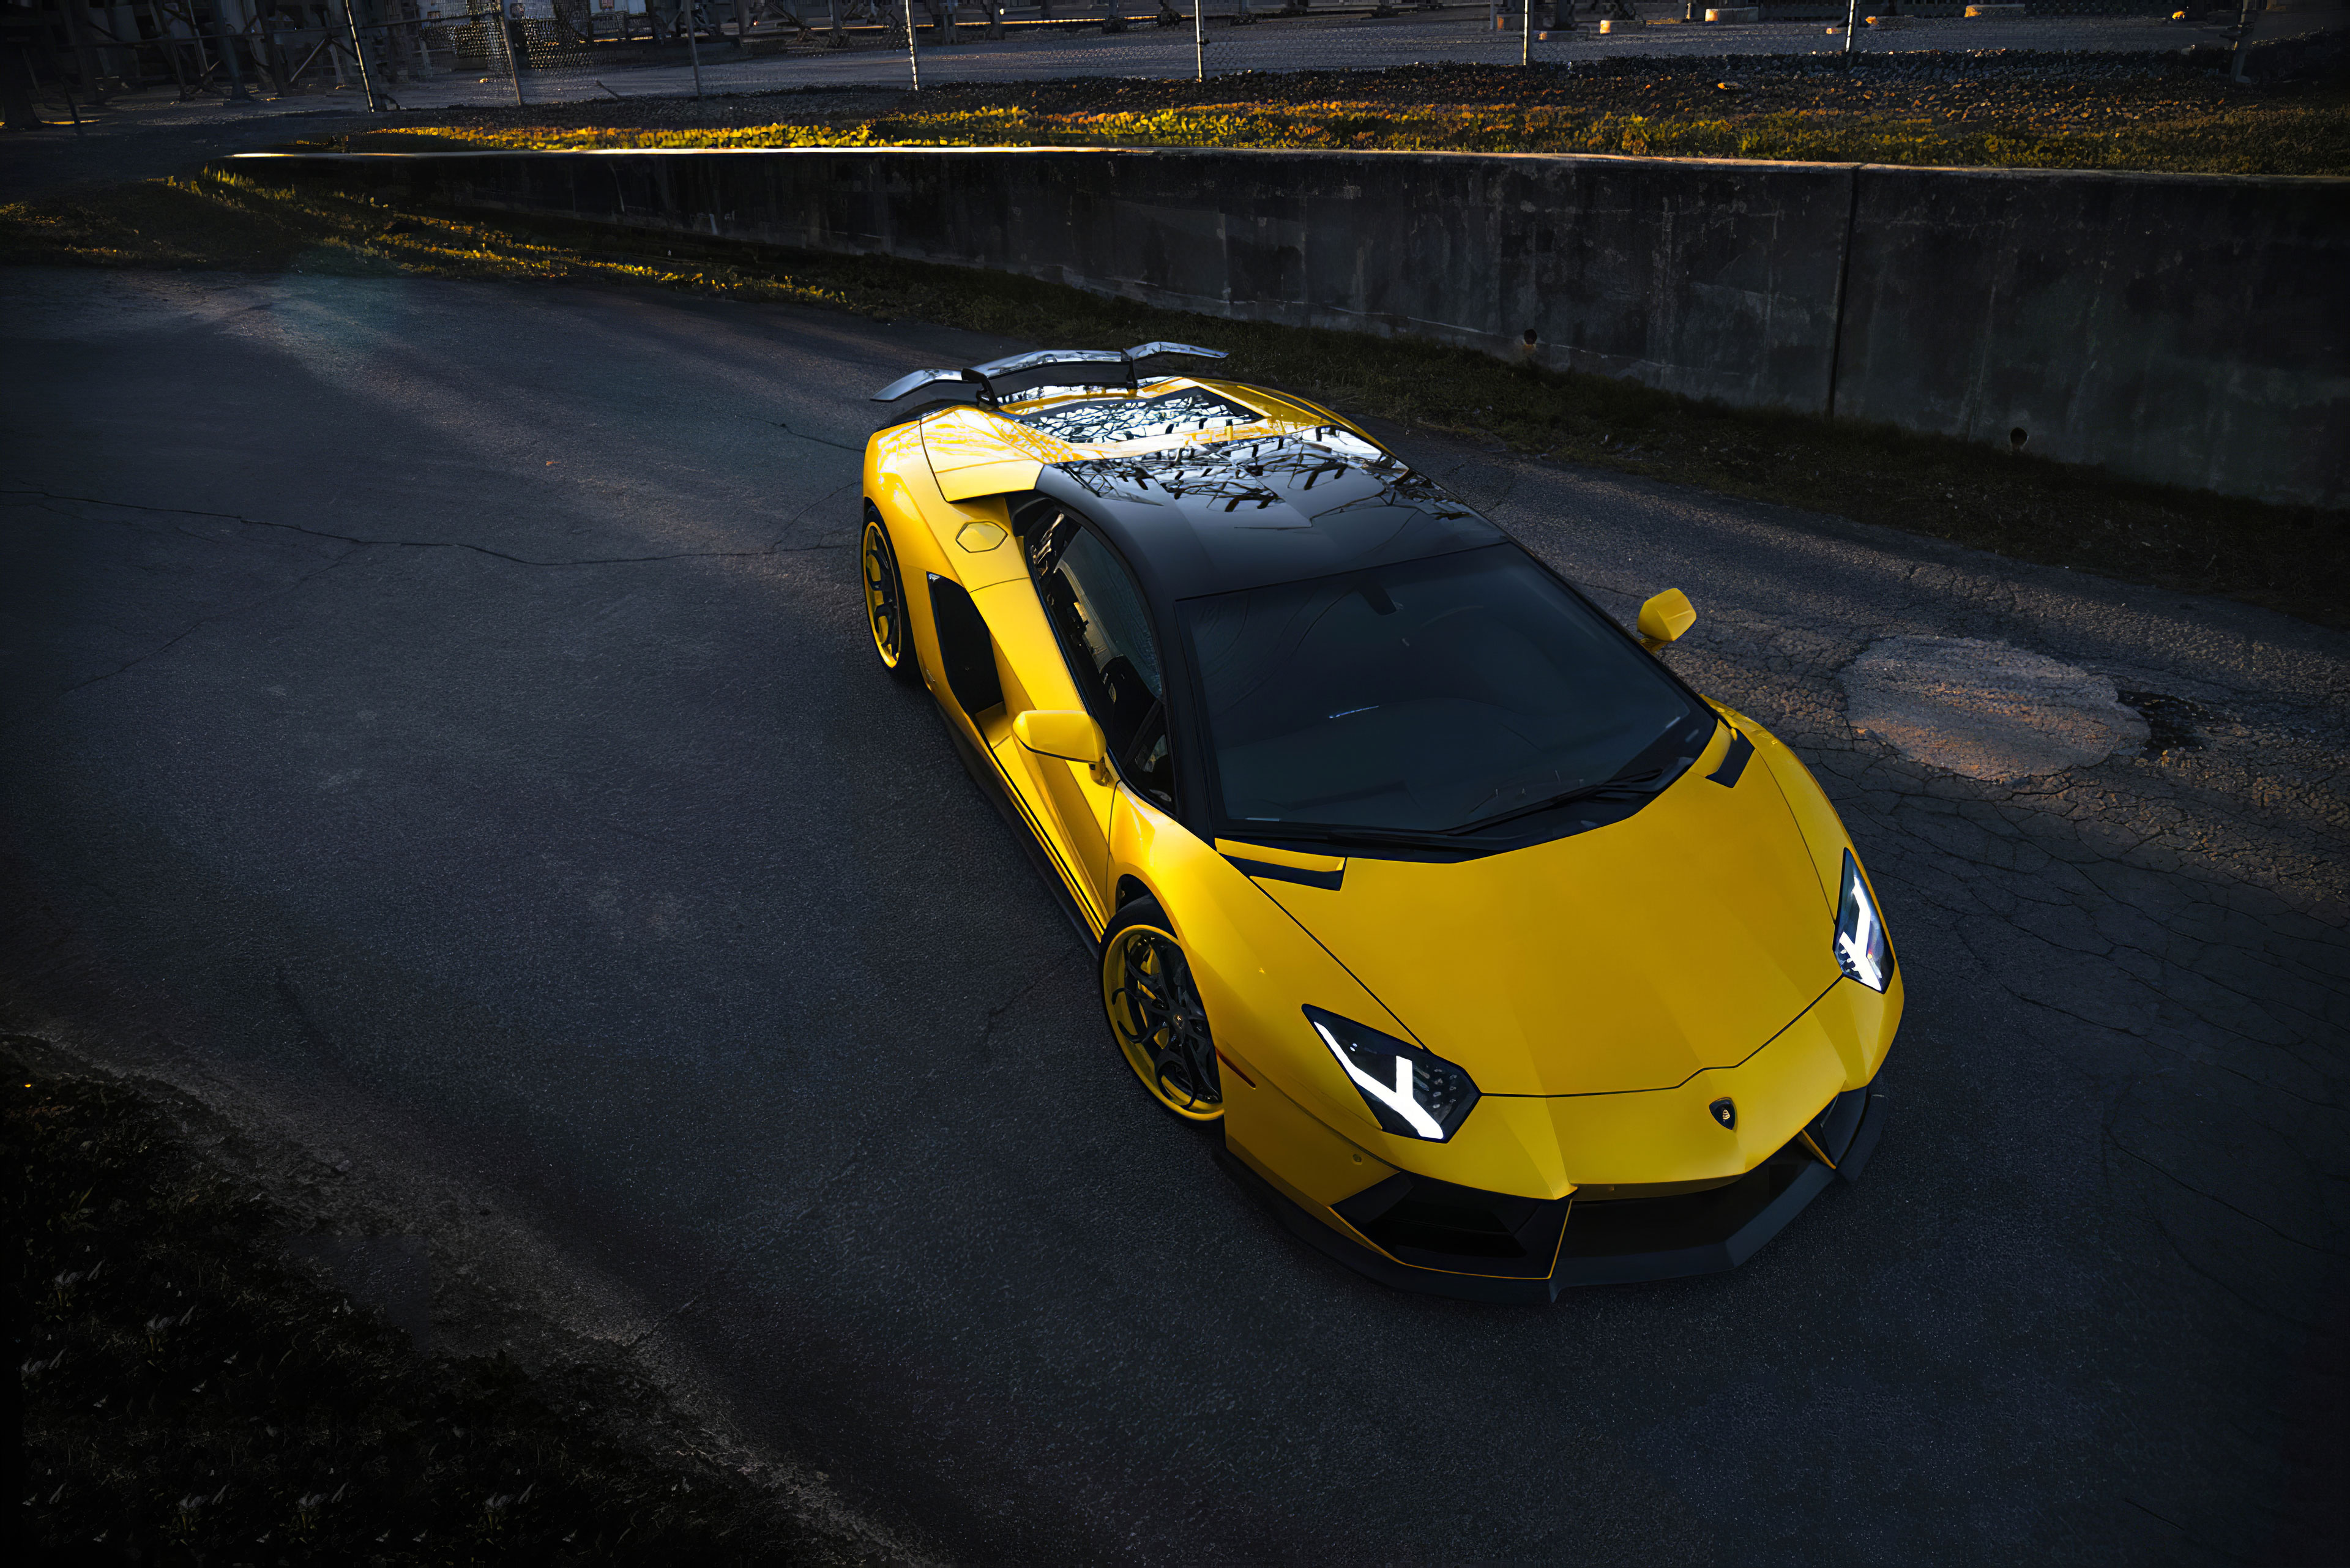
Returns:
(1851, 26)
(1526, 36)
(496, 27)
(690, 11)
(913, 59)
(2243, 38)
(1200, 39)
(227, 48)
(86, 57)
(359, 55)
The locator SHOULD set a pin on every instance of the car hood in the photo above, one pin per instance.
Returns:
(1623, 957)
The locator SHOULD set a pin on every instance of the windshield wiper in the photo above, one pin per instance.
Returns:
(1629, 785)
(1662, 770)
(1432, 838)
(1622, 785)
(1633, 783)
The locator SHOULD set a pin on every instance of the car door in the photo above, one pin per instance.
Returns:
(1101, 621)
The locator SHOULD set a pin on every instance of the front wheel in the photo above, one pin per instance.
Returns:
(1155, 1014)
(885, 600)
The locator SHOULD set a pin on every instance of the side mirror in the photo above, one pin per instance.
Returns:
(1665, 618)
(1073, 737)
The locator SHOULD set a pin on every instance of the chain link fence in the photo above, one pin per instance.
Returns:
(426, 54)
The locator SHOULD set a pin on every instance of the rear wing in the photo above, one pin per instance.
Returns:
(1000, 378)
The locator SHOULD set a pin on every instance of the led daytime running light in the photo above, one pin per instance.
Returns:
(1410, 1091)
(1861, 948)
(1396, 1099)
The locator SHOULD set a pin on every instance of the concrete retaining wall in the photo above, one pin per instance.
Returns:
(2186, 328)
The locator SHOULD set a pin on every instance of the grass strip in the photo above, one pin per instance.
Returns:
(2307, 135)
(190, 1397)
(2293, 559)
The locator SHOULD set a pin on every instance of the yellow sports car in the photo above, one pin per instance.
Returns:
(1507, 961)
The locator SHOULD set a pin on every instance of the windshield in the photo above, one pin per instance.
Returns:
(1428, 697)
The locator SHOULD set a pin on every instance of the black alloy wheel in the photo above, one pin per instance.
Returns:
(1154, 1013)
(885, 600)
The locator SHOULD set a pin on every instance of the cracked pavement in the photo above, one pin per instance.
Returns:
(440, 722)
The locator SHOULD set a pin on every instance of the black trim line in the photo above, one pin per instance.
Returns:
(1734, 761)
(1329, 881)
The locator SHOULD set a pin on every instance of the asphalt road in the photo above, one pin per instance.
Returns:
(150, 135)
(441, 712)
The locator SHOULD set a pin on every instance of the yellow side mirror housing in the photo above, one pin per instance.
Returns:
(1665, 618)
(1067, 734)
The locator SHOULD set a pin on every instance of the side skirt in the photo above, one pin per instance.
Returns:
(984, 773)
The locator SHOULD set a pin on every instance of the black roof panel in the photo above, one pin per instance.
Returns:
(1244, 514)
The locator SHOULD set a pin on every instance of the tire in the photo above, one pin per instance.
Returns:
(1155, 1016)
(885, 600)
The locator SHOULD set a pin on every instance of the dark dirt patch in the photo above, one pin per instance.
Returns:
(191, 1395)
(2171, 722)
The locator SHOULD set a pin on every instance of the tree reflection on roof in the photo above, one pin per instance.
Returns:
(1102, 422)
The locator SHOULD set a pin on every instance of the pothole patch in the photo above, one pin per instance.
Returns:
(1986, 710)
(2171, 723)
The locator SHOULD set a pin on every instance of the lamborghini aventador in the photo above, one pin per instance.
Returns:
(1505, 960)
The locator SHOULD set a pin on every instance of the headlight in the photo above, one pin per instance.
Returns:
(1411, 1092)
(1860, 942)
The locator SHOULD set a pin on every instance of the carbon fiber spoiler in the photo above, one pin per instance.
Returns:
(1071, 367)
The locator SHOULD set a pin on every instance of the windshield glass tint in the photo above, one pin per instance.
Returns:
(1426, 697)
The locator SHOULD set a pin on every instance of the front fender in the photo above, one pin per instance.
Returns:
(1293, 1114)
(1822, 831)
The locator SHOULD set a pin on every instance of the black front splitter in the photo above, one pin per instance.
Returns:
(1620, 1242)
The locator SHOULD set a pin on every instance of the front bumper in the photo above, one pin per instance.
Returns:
(1420, 1234)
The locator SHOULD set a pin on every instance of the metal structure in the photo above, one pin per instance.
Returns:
(416, 54)
(380, 48)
